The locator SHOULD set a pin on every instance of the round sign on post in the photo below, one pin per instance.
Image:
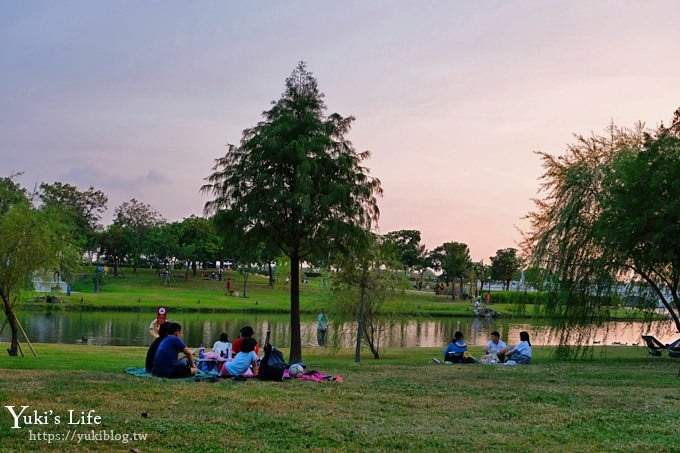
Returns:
(161, 315)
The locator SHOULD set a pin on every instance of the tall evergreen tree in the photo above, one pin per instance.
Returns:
(295, 179)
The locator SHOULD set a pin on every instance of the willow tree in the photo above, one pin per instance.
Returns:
(30, 242)
(607, 220)
(296, 180)
(359, 289)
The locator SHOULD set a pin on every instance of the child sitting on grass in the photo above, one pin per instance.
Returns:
(222, 346)
(243, 361)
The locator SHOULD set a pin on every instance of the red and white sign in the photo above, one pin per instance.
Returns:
(161, 315)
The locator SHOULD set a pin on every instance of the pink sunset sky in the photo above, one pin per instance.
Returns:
(452, 98)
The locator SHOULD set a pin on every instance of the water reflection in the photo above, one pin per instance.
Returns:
(132, 329)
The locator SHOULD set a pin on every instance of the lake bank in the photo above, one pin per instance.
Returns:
(144, 291)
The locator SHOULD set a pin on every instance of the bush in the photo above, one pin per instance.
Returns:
(519, 297)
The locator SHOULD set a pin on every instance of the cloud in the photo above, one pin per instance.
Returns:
(113, 181)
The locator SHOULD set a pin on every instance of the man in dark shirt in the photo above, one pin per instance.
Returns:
(165, 363)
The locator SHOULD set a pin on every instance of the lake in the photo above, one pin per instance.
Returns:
(132, 329)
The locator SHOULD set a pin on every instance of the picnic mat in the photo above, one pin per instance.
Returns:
(141, 372)
(313, 376)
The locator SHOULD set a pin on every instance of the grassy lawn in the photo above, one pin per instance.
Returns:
(144, 291)
(621, 400)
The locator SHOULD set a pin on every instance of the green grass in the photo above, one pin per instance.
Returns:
(144, 291)
(622, 400)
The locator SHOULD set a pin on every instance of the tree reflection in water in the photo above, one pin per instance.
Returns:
(131, 329)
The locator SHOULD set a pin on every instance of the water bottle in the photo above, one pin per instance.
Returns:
(201, 352)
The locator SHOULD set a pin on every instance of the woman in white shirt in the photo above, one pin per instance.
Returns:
(222, 346)
(520, 354)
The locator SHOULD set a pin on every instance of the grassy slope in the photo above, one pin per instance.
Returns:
(144, 291)
(622, 400)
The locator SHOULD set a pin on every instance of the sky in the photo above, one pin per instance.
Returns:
(137, 98)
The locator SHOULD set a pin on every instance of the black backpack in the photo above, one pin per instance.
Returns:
(272, 364)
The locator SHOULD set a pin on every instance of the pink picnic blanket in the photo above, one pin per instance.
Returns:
(314, 376)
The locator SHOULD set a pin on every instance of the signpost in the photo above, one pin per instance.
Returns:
(161, 315)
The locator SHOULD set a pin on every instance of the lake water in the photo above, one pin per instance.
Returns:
(132, 329)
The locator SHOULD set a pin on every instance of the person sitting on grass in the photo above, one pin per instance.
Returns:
(243, 361)
(246, 332)
(495, 345)
(222, 346)
(520, 354)
(165, 362)
(457, 348)
(151, 353)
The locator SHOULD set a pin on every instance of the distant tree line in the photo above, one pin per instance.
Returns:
(294, 190)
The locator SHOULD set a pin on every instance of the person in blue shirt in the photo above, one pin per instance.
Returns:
(243, 361)
(456, 349)
(165, 363)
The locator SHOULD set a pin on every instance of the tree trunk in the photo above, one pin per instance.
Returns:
(663, 299)
(295, 340)
(374, 347)
(14, 327)
(360, 323)
(245, 284)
